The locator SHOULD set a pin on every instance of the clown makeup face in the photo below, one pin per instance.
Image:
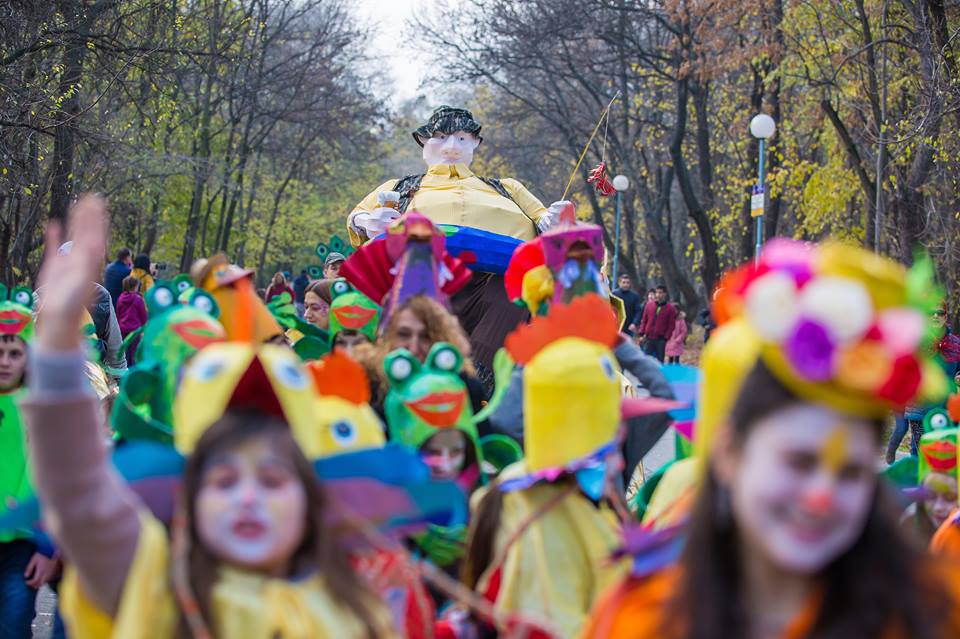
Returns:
(449, 148)
(445, 453)
(316, 310)
(942, 491)
(411, 333)
(13, 362)
(348, 338)
(801, 486)
(251, 507)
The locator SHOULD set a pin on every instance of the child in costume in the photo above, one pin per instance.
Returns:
(428, 411)
(791, 533)
(541, 535)
(252, 554)
(23, 568)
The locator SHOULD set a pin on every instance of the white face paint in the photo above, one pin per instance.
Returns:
(453, 148)
(445, 453)
(802, 485)
(251, 508)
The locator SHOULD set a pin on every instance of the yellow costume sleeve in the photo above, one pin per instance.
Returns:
(368, 203)
(146, 609)
(556, 569)
(526, 200)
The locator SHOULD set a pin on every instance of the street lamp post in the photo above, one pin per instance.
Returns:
(762, 127)
(621, 184)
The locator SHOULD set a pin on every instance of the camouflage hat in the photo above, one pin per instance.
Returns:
(447, 119)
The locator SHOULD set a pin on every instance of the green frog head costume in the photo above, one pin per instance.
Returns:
(425, 399)
(352, 310)
(173, 333)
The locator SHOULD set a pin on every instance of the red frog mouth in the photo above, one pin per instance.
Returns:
(440, 409)
(197, 333)
(941, 455)
(354, 316)
(12, 322)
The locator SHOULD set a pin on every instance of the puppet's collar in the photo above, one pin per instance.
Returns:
(450, 170)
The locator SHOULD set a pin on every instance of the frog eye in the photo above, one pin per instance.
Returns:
(206, 367)
(22, 297)
(182, 285)
(163, 297)
(939, 420)
(203, 301)
(445, 360)
(607, 367)
(400, 369)
(290, 375)
(340, 287)
(343, 432)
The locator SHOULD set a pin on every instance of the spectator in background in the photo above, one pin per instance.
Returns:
(116, 272)
(317, 300)
(131, 313)
(657, 323)
(331, 266)
(300, 284)
(141, 270)
(278, 286)
(632, 304)
(674, 349)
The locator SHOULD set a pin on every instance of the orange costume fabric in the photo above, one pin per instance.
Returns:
(635, 608)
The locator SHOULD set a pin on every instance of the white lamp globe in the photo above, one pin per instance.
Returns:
(621, 183)
(762, 126)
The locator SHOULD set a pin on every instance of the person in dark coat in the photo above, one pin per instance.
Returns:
(632, 304)
(116, 272)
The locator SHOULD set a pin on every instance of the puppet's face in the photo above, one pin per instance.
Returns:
(251, 507)
(450, 148)
(801, 485)
(427, 399)
(13, 362)
(941, 499)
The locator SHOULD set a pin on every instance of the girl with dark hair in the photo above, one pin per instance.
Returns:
(792, 533)
(251, 554)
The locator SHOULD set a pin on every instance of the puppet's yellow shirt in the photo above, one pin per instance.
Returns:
(452, 194)
(559, 566)
(246, 605)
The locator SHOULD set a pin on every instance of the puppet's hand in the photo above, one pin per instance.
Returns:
(551, 217)
(374, 222)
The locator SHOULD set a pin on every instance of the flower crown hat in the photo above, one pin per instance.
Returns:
(836, 324)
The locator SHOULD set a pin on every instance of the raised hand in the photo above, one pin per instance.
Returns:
(67, 279)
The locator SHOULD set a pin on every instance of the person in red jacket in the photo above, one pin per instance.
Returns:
(656, 325)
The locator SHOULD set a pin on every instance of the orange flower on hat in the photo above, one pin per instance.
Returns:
(865, 366)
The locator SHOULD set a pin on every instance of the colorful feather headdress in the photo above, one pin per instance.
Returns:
(411, 260)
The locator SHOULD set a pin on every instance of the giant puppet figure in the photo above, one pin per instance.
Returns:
(484, 219)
